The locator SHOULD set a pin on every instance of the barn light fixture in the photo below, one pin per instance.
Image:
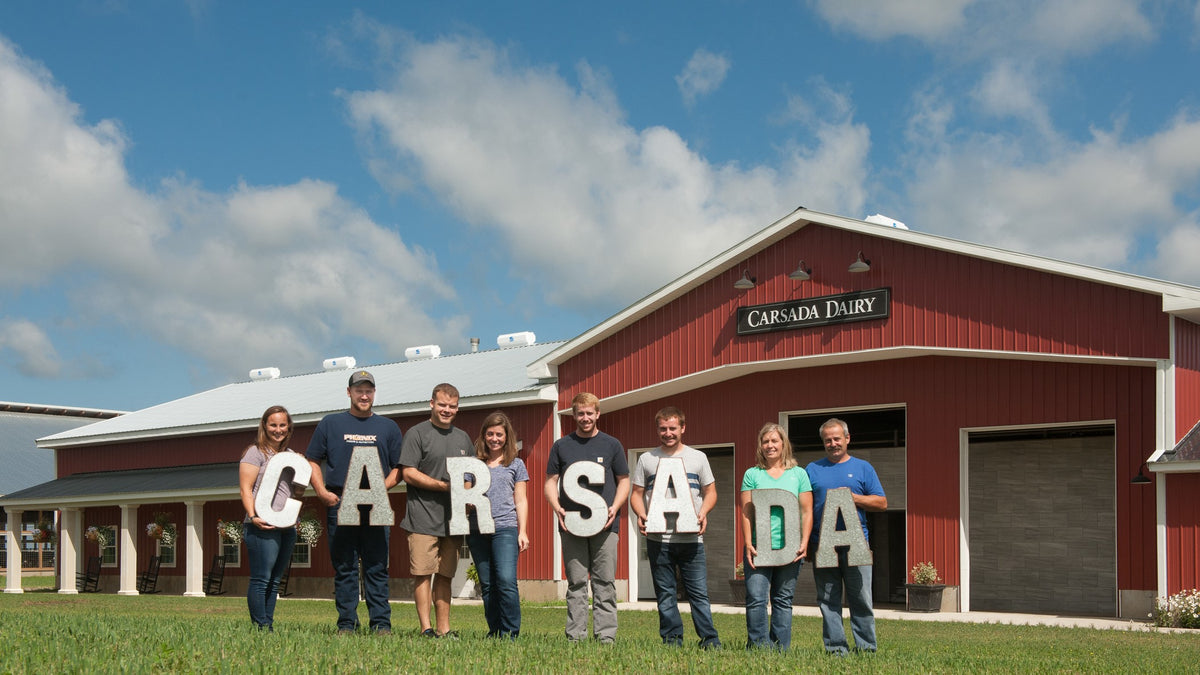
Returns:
(861, 264)
(746, 282)
(802, 273)
(1141, 478)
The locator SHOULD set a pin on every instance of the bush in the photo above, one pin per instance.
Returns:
(924, 574)
(1181, 610)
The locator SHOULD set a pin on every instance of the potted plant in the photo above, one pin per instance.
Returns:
(737, 585)
(925, 588)
(473, 578)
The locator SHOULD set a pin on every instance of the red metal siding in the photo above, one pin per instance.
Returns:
(1187, 377)
(1183, 490)
(939, 299)
(941, 396)
(1183, 536)
(533, 424)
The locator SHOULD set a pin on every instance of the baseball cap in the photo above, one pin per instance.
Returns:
(361, 376)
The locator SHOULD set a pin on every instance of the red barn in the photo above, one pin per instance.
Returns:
(1028, 417)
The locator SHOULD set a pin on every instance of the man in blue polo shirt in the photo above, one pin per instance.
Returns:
(837, 470)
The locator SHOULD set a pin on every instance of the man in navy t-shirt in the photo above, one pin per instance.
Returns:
(329, 451)
(593, 557)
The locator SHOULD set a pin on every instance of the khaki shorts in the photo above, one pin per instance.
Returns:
(428, 554)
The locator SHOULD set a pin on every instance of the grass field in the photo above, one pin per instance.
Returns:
(44, 632)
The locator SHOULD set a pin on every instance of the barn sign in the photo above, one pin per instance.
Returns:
(820, 311)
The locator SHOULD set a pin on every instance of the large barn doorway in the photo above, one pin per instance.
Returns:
(879, 437)
(1041, 520)
(719, 550)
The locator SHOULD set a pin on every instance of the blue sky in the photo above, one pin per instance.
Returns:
(189, 190)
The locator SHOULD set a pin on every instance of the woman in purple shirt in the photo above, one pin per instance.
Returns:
(268, 548)
(495, 555)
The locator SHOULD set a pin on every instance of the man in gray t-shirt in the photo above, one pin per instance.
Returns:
(684, 551)
(432, 553)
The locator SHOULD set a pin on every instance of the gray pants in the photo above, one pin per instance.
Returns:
(597, 556)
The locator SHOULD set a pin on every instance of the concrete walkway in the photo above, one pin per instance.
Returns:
(1003, 618)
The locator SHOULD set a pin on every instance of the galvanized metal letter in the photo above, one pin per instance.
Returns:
(461, 495)
(841, 501)
(287, 516)
(574, 520)
(763, 501)
(671, 494)
(365, 458)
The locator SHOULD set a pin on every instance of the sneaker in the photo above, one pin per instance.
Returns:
(606, 640)
(345, 631)
(449, 635)
(383, 631)
(429, 633)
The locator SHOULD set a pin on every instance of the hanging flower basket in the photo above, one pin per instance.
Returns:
(230, 531)
(101, 535)
(162, 529)
(308, 529)
(44, 533)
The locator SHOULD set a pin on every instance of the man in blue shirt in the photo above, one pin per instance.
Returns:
(839, 470)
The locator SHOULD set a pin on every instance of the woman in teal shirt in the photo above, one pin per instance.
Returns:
(776, 469)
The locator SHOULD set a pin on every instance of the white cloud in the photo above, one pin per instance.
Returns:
(1009, 90)
(922, 19)
(277, 275)
(1084, 26)
(29, 348)
(1175, 257)
(702, 75)
(595, 210)
(1089, 202)
(1014, 29)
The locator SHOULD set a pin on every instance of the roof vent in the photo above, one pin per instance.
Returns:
(339, 363)
(887, 221)
(264, 374)
(422, 352)
(510, 340)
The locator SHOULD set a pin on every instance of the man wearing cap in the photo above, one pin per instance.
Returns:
(333, 442)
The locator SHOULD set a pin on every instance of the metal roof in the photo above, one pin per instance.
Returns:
(24, 462)
(1178, 299)
(169, 484)
(486, 378)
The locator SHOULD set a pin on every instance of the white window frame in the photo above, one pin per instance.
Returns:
(114, 544)
(159, 546)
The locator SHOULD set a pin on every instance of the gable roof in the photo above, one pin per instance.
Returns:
(1178, 299)
(21, 424)
(487, 378)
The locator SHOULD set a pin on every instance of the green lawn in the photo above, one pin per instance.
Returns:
(44, 632)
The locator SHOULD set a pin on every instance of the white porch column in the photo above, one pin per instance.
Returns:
(128, 558)
(69, 538)
(13, 574)
(194, 581)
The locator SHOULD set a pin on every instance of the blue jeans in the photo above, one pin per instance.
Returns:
(348, 544)
(779, 584)
(857, 581)
(495, 557)
(269, 553)
(693, 572)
